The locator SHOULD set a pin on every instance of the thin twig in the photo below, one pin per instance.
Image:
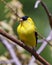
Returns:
(38, 57)
(42, 37)
(48, 13)
(44, 43)
(46, 9)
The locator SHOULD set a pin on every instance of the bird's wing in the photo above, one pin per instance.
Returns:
(36, 37)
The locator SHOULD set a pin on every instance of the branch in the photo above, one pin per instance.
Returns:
(38, 57)
(44, 43)
(42, 37)
(48, 13)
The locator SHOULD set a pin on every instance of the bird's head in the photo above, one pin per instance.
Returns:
(23, 18)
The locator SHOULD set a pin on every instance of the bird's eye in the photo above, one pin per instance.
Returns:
(24, 18)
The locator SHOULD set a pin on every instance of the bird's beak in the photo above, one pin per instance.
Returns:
(20, 20)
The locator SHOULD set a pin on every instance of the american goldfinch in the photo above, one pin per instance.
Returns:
(27, 31)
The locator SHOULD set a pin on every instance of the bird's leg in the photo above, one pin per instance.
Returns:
(34, 49)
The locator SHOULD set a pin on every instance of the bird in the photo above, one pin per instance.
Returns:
(27, 31)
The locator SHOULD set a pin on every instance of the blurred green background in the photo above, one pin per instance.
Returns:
(41, 20)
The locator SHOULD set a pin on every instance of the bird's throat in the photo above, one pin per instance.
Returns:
(21, 23)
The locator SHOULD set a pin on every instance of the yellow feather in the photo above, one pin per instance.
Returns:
(26, 32)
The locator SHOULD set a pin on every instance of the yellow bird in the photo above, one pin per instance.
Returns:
(27, 31)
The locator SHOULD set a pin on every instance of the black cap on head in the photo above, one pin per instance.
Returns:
(24, 18)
